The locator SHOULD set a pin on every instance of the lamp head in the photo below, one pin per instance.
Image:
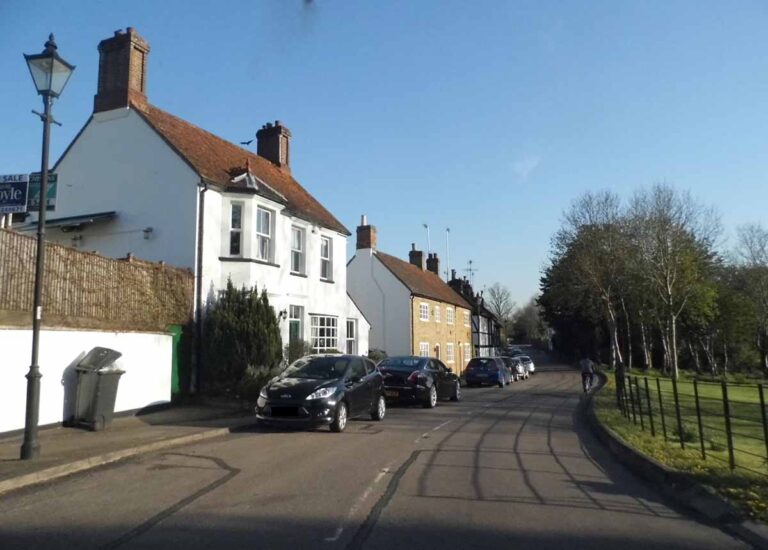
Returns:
(49, 71)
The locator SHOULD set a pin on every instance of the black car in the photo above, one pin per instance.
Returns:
(323, 389)
(419, 380)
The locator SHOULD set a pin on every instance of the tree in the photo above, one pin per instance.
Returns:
(593, 233)
(674, 237)
(752, 252)
(240, 332)
(499, 301)
(527, 324)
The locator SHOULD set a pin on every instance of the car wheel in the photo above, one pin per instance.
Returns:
(456, 392)
(501, 383)
(379, 409)
(431, 399)
(340, 418)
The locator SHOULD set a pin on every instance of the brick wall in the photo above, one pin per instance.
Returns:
(442, 333)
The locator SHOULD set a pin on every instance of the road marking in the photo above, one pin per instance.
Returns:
(441, 425)
(362, 498)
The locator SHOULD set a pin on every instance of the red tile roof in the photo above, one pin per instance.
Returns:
(421, 282)
(218, 161)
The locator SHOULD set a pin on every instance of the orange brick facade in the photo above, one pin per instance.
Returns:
(451, 342)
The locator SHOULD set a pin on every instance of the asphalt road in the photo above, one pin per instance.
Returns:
(504, 468)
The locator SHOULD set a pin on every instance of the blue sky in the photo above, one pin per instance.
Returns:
(487, 117)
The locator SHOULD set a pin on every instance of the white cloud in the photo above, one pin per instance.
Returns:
(524, 167)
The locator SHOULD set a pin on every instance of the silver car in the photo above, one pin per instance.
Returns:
(527, 363)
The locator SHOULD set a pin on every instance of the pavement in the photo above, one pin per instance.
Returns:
(65, 451)
(505, 467)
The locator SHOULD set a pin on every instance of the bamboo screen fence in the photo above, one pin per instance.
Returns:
(86, 290)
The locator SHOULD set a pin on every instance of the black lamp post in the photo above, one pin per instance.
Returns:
(50, 74)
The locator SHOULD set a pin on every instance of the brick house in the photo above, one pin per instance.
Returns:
(411, 309)
(139, 180)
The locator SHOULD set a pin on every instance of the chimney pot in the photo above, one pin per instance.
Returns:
(366, 235)
(416, 257)
(433, 264)
(122, 72)
(273, 143)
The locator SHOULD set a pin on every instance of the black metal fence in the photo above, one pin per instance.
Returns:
(724, 421)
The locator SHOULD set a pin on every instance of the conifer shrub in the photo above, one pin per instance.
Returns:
(242, 347)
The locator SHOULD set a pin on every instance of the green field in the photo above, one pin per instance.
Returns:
(747, 484)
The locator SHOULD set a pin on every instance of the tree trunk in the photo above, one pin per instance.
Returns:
(725, 358)
(646, 351)
(613, 331)
(673, 346)
(628, 328)
(695, 355)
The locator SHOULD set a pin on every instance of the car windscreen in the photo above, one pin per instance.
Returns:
(321, 368)
(402, 363)
(525, 359)
(483, 364)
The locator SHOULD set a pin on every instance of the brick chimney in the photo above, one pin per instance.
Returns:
(274, 144)
(433, 264)
(366, 235)
(122, 72)
(416, 257)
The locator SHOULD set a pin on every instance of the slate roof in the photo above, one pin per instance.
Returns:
(421, 282)
(218, 161)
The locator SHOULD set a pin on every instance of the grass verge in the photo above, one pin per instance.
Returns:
(746, 490)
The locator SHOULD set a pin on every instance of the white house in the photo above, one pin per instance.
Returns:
(411, 309)
(139, 180)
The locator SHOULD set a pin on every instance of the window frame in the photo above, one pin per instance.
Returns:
(260, 236)
(424, 348)
(326, 260)
(236, 230)
(467, 353)
(351, 340)
(450, 356)
(424, 311)
(301, 251)
(466, 319)
(436, 313)
(449, 315)
(327, 334)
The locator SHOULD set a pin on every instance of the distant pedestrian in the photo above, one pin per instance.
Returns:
(587, 367)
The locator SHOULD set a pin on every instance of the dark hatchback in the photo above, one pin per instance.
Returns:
(422, 380)
(487, 370)
(323, 389)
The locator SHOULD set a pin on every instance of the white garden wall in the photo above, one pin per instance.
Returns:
(146, 361)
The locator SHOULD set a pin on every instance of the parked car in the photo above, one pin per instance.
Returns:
(422, 380)
(486, 370)
(518, 370)
(323, 389)
(511, 367)
(528, 364)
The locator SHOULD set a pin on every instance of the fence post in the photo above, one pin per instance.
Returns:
(698, 416)
(677, 413)
(765, 421)
(639, 404)
(632, 399)
(728, 433)
(650, 407)
(661, 409)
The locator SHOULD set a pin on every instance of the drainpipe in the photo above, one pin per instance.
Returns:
(196, 381)
(383, 306)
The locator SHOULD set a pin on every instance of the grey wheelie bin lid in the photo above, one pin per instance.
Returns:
(98, 358)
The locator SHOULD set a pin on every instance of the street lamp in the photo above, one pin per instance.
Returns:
(50, 74)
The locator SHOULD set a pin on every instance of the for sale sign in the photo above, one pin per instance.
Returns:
(13, 193)
(34, 191)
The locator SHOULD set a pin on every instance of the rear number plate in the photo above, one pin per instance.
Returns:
(392, 393)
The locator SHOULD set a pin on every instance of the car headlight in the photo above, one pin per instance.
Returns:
(263, 392)
(322, 393)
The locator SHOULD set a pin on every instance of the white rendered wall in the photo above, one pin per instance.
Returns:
(284, 289)
(384, 301)
(146, 361)
(120, 163)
